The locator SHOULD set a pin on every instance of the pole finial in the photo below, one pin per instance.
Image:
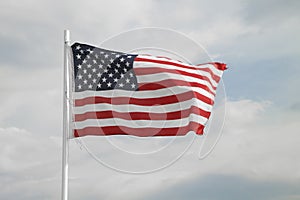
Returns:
(67, 36)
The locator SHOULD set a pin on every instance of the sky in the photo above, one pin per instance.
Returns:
(257, 156)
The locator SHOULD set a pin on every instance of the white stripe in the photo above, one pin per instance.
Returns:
(136, 108)
(210, 66)
(152, 78)
(176, 90)
(139, 64)
(140, 123)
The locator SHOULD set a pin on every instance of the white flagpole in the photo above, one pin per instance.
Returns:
(66, 118)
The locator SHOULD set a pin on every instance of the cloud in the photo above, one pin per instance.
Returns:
(28, 161)
(225, 187)
(35, 93)
(260, 142)
(256, 11)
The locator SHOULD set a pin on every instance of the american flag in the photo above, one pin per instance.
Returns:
(117, 93)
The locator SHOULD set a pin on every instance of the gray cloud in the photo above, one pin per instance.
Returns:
(216, 187)
(270, 12)
(29, 165)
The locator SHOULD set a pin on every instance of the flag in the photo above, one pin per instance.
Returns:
(117, 93)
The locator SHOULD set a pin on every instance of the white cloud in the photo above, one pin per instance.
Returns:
(259, 145)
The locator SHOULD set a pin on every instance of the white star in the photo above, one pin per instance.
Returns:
(118, 65)
(81, 51)
(94, 80)
(78, 56)
(109, 66)
(104, 80)
(116, 71)
(96, 56)
(90, 86)
(95, 61)
(125, 70)
(90, 75)
(100, 66)
(84, 71)
(122, 75)
(106, 56)
(127, 64)
(122, 59)
(99, 85)
(94, 70)
(121, 85)
(129, 56)
(102, 61)
(110, 75)
(117, 55)
(89, 66)
(127, 81)
(105, 70)
(84, 61)
(115, 80)
(79, 66)
(131, 74)
(79, 76)
(85, 81)
(133, 85)
(109, 84)
(78, 47)
(88, 56)
(99, 74)
(111, 60)
(79, 86)
(101, 52)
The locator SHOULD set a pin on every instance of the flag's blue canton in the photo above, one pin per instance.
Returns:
(100, 69)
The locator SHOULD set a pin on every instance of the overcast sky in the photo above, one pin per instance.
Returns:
(257, 156)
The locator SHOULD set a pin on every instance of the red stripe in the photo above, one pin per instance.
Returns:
(219, 66)
(142, 115)
(142, 132)
(157, 70)
(144, 102)
(171, 83)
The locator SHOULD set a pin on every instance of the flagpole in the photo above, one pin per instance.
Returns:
(66, 118)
